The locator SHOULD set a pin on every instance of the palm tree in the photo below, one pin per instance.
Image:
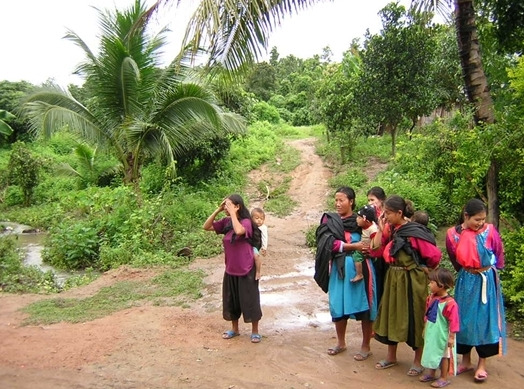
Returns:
(136, 110)
(475, 80)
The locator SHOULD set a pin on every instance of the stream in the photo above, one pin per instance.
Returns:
(31, 243)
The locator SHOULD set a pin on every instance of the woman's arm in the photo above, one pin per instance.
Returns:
(208, 224)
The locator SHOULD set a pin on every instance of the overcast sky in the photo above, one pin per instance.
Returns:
(33, 48)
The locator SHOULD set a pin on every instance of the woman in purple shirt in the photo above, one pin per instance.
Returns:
(240, 293)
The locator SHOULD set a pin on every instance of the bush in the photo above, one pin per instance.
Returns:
(263, 111)
(72, 246)
(513, 275)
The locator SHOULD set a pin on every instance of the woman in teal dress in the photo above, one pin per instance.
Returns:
(477, 253)
(338, 236)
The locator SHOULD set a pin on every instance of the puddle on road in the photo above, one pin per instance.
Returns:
(295, 299)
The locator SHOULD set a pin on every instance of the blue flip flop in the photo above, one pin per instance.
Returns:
(229, 334)
(255, 338)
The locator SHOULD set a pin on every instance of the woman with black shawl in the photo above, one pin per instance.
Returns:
(409, 248)
(338, 236)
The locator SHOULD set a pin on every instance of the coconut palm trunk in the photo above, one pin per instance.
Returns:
(477, 89)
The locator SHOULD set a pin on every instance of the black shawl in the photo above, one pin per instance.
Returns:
(331, 228)
(401, 240)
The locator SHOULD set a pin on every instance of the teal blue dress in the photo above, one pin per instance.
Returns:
(355, 300)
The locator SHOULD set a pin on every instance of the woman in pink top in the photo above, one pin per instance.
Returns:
(240, 293)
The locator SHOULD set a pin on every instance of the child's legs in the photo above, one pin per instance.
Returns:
(444, 368)
(358, 268)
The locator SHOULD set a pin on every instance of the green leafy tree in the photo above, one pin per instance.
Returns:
(397, 69)
(262, 81)
(135, 110)
(23, 170)
(335, 95)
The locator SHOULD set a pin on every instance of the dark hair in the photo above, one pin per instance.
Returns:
(443, 277)
(243, 213)
(472, 207)
(378, 192)
(420, 217)
(369, 212)
(350, 193)
(258, 210)
(397, 203)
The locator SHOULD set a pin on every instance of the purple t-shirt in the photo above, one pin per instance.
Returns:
(239, 254)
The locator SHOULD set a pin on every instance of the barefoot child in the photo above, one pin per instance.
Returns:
(366, 219)
(258, 216)
(442, 323)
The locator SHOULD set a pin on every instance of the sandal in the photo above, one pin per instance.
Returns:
(336, 350)
(481, 376)
(383, 364)
(427, 378)
(463, 369)
(229, 334)
(440, 383)
(255, 338)
(362, 356)
(415, 371)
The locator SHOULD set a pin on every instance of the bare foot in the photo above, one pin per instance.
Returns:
(357, 278)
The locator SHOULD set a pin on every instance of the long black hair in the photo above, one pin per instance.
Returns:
(243, 213)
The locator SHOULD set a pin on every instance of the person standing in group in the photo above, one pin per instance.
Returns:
(259, 217)
(442, 323)
(240, 293)
(376, 197)
(408, 248)
(338, 237)
(476, 251)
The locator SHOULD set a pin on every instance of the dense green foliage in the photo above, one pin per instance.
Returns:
(406, 77)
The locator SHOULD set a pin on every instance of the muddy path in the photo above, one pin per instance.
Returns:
(174, 347)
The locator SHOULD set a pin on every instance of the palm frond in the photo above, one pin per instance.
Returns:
(442, 7)
(236, 32)
(52, 109)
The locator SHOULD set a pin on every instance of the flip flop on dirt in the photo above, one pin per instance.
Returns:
(255, 338)
(383, 364)
(463, 369)
(440, 383)
(427, 378)
(336, 350)
(415, 371)
(362, 356)
(229, 334)
(481, 376)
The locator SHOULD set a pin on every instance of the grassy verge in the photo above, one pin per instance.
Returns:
(171, 288)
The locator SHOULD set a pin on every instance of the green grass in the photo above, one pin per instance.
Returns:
(173, 287)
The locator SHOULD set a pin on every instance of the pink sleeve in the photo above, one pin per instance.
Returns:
(428, 251)
(498, 249)
(336, 246)
(379, 251)
(451, 313)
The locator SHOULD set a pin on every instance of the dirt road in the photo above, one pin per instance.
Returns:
(174, 347)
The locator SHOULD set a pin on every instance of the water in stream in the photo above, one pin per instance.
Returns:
(30, 242)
